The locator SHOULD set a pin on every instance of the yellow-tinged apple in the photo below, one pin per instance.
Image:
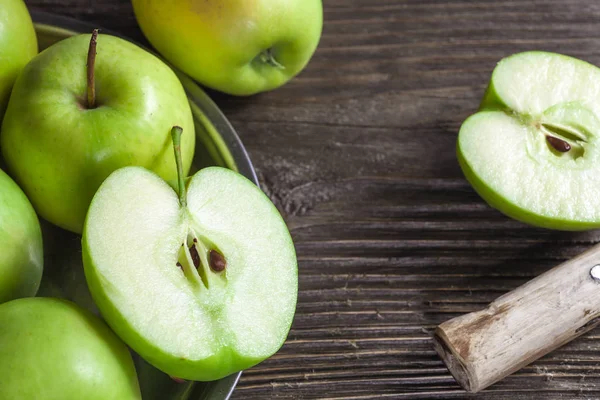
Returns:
(239, 47)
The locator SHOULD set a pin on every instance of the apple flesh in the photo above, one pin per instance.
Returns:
(200, 286)
(18, 45)
(21, 250)
(52, 349)
(533, 151)
(59, 149)
(236, 46)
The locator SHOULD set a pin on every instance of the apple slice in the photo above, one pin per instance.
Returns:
(201, 285)
(532, 152)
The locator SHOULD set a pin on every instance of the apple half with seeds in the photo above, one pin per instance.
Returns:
(532, 151)
(201, 282)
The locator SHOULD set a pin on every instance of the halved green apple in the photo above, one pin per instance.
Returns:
(201, 285)
(532, 151)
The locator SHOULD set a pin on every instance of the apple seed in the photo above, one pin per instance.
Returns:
(195, 255)
(217, 261)
(558, 144)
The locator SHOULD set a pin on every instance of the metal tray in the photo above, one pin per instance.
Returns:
(217, 144)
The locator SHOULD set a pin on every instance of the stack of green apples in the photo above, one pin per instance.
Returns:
(197, 275)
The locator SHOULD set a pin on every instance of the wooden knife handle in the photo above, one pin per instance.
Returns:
(483, 347)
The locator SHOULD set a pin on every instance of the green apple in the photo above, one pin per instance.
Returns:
(18, 45)
(533, 150)
(67, 127)
(21, 251)
(236, 46)
(201, 285)
(52, 349)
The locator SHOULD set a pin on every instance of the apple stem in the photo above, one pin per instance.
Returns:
(176, 136)
(268, 58)
(91, 61)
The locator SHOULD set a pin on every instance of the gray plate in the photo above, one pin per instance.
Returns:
(217, 144)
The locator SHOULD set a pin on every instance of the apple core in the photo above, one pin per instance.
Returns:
(193, 259)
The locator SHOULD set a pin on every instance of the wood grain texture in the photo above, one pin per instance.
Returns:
(485, 346)
(358, 153)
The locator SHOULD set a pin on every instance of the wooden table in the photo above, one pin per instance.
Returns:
(358, 153)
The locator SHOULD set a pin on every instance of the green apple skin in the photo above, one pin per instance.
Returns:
(169, 317)
(53, 349)
(516, 97)
(21, 250)
(18, 45)
(59, 151)
(220, 43)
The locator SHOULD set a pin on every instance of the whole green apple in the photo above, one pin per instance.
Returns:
(18, 45)
(21, 252)
(533, 150)
(202, 283)
(239, 47)
(68, 125)
(52, 349)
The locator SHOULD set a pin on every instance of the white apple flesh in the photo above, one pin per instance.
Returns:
(192, 323)
(532, 152)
